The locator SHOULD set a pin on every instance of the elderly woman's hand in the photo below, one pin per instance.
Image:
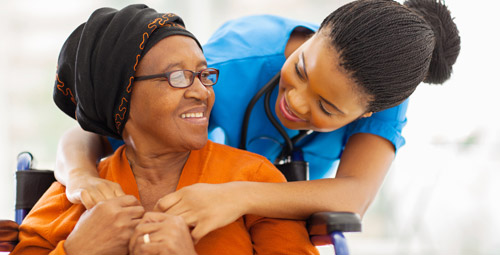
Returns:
(106, 228)
(160, 233)
(205, 207)
(89, 190)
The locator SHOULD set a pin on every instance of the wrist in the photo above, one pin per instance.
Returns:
(83, 173)
(248, 205)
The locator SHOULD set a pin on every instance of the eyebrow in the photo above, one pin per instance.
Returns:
(171, 65)
(304, 65)
(180, 64)
(332, 105)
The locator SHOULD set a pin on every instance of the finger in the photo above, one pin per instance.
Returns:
(147, 228)
(87, 200)
(141, 230)
(95, 195)
(135, 223)
(189, 218)
(75, 196)
(149, 249)
(167, 202)
(199, 232)
(177, 210)
(127, 200)
(107, 189)
(119, 191)
(153, 217)
(135, 212)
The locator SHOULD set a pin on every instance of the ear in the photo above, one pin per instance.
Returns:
(366, 115)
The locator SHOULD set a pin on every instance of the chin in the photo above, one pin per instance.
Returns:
(197, 144)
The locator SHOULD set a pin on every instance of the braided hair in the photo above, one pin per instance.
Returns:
(388, 48)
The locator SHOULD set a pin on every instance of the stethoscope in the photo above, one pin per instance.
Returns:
(289, 152)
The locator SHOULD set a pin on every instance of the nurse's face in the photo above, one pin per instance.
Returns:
(314, 91)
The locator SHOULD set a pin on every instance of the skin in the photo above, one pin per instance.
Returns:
(314, 92)
(363, 165)
(162, 138)
(158, 141)
(106, 228)
(356, 183)
(163, 240)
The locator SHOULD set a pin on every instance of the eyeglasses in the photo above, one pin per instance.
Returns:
(185, 78)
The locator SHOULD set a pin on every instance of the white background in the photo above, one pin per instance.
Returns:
(442, 193)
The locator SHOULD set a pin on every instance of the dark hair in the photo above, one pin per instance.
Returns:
(388, 48)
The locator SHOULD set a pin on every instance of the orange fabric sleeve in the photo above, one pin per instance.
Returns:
(48, 223)
(59, 250)
(276, 236)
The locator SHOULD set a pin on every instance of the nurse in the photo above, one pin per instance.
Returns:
(347, 81)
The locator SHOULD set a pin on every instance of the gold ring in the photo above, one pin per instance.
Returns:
(146, 238)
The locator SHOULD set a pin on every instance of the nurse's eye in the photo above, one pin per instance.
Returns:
(298, 72)
(322, 107)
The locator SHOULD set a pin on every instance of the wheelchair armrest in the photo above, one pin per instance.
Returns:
(324, 223)
(9, 233)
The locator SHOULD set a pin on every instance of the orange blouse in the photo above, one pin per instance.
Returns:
(53, 218)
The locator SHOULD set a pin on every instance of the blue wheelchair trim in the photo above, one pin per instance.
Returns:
(339, 243)
(328, 227)
(24, 162)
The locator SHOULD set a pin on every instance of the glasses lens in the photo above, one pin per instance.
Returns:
(180, 79)
(209, 76)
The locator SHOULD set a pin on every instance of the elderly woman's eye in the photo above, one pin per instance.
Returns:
(177, 77)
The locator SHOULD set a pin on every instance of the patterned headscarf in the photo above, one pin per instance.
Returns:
(97, 64)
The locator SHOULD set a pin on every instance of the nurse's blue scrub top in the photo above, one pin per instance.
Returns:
(249, 51)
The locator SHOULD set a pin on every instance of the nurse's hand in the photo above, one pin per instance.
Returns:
(89, 190)
(205, 207)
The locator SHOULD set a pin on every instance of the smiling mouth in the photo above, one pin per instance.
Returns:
(192, 115)
(287, 113)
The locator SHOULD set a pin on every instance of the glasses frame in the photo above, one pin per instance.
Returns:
(166, 75)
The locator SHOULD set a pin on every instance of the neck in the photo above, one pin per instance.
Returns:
(156, 174)
(298, 37)
(156, 168)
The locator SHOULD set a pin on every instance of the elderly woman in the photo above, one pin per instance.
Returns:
(139, 75)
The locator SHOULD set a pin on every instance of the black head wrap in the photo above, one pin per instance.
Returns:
(97, 64)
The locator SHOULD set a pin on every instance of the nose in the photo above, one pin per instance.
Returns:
(198, 91)
(298, 101)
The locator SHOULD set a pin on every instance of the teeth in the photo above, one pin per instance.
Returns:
(192, 115)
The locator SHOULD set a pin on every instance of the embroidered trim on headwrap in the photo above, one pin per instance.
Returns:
(98, 61)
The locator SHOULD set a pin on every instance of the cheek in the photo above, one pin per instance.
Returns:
(287, 72)
(324, 123)
(154, 106)
(211, 98)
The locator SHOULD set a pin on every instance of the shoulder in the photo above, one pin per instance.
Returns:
(53, 201)
(243, 165)
(251, 36)
(51, 219)
(233, 154)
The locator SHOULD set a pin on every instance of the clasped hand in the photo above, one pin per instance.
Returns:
(118, 226)
(203, 207)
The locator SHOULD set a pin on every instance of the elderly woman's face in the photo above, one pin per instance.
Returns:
(175, 118)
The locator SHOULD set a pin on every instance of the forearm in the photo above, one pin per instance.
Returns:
(298, 200)
(363, 167)
(78, 153)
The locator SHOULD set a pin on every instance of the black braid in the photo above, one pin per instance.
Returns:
(386, 48)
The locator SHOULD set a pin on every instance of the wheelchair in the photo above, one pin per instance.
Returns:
(324, 227)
